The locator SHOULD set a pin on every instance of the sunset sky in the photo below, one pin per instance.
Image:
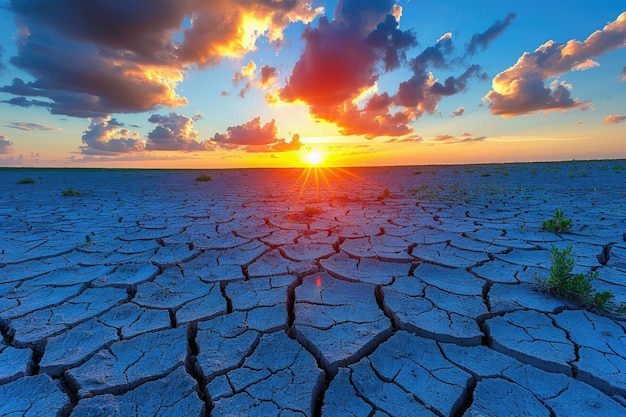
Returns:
(263, 83)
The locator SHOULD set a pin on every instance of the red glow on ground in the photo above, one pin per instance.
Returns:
(318, 282)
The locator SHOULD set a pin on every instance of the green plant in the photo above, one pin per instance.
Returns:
(562, 282)
(557, 223)
(203, 178)
(70, 192)
(26, 181)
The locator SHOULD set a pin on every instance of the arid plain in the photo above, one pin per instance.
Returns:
(401, 291)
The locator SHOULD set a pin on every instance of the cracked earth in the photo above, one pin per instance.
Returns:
(361, 292)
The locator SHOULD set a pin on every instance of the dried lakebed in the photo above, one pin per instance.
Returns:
(362, 292)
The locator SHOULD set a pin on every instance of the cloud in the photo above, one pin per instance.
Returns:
(464, 138)
(174, 132)
(458, 112)
(93, 58)
(443, 138)
(480, 41)
(29, 126)
(585, 65)
(341, 56)
(622, 76)
(12, 160)
(521, 88)
(263, 79)
(6, 146)
(106, 136)
(269, 76)
(281, 145)
(424, 92)
(614, 119)
(344, 58)
(78, 79)
(253, 136)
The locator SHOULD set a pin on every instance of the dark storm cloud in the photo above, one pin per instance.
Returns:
(93, 58)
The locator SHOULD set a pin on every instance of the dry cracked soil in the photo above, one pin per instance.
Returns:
(406, 291)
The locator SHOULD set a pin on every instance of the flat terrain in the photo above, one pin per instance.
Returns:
(363, 292)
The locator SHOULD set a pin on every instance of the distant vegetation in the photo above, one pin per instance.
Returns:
(26, 181)
(71, 192)
(203, 178)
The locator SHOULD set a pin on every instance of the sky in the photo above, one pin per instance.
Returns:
(278, 83)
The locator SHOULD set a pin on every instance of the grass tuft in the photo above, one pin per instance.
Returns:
(203, 178)
(26, 181)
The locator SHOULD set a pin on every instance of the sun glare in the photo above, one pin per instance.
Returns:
(314, 158)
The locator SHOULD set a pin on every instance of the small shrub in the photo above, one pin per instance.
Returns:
(485, 174)
(557, 223)
(71, 192)
(203, 178)
(26, 181)
(563, 283)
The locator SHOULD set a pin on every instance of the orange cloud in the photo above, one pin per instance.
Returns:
(253, 136)
(344, 58)
(614, 119)
(521, 88)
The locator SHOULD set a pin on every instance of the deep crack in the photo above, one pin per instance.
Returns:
(193, 368)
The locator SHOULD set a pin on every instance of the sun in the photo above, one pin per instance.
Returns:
(314, 157)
